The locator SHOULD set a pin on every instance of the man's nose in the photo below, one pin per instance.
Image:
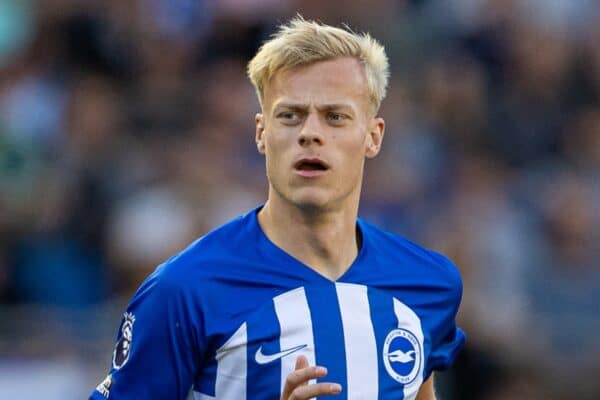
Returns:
(311, 131)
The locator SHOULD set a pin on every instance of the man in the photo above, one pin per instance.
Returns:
(298, 298)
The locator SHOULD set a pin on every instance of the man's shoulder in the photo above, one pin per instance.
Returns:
(221, 245)
(236, 233)
(397, 249)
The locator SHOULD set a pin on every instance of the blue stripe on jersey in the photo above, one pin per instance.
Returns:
(328, 333)
(206, 385)
(426, 350)
(384, 321)
(263, 334)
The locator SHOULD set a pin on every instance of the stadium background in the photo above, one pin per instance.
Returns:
(126, 130)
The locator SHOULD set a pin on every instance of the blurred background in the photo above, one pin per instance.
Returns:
(126, 131)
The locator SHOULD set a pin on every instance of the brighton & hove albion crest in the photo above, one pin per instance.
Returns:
(402, 356)
(123, 346)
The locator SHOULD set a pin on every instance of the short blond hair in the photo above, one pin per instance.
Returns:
(301, 42)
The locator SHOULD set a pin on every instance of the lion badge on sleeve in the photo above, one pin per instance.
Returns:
(123, 346)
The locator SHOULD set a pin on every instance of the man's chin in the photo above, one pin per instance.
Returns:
(313, 204)
(311, 208)
(312, 200)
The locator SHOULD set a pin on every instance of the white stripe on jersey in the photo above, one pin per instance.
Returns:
(407, 319)
(359, 338)
(231, 367)
(202, 396)
(296, 329)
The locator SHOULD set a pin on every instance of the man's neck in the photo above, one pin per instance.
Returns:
(326, 241)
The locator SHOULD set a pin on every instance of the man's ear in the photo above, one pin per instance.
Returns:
(375, 137)
(260, 130)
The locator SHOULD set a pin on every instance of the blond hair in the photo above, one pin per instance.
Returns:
(301, 42)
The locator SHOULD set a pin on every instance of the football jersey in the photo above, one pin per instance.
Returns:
(227, 318)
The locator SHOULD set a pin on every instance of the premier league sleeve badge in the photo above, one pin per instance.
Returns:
(123, 346)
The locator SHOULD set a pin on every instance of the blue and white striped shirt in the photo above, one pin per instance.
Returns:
(228, 316)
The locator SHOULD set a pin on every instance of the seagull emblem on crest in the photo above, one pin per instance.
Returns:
(401, 357)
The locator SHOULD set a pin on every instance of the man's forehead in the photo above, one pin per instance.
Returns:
(345, 70)
(331, 82)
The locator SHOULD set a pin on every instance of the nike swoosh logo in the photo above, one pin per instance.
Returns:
(262, 358)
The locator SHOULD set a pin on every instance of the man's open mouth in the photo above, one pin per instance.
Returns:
(311, 165)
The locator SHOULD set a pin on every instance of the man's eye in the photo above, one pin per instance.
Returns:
(289, 116)
(336, 117)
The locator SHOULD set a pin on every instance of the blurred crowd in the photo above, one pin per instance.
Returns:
(126, 131)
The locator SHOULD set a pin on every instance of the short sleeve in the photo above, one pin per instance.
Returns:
(159, 346)
(446, 339)
(444, 353)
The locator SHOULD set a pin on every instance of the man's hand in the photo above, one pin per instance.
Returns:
(297, 387)
(426, 392)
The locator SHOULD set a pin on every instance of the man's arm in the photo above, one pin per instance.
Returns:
(157, 354)
(426, 392)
